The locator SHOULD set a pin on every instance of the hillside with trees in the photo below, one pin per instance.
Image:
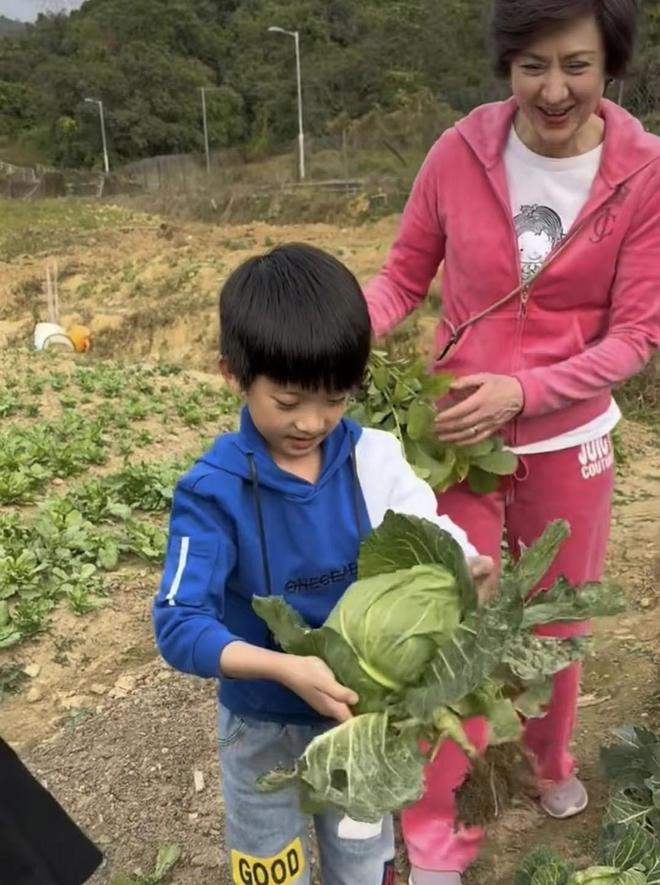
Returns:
(147, 59)
(10, 27)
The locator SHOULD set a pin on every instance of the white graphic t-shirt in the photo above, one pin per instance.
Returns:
(547, 194)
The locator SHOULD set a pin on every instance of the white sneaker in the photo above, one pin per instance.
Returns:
(565, 799)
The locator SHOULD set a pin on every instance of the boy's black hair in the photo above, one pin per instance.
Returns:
(517, 23)
(298, 316)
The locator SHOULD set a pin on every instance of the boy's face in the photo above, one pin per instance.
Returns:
(293, 421)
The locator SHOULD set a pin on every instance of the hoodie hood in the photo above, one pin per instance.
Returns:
(627, 147)
(236, 453)
(242, 527)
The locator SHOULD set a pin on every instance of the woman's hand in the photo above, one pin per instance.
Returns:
(493, 401)
(485, 577)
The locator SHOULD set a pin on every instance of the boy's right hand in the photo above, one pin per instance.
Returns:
(313, 681)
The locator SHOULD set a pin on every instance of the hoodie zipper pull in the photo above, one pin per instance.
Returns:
(524, 298)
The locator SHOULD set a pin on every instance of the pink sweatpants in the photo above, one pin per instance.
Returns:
(574, 484)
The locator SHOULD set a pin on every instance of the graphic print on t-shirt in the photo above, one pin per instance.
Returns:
(539, 229)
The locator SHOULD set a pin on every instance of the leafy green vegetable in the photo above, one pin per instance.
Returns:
(400, 544)
(400, 396)
(607, 876)
(12, 678)
(409, 637)
(563, 602)
(632, 768)
(396, 622)
(296, 638)
(367, 759)
(631, 847)
(630, 838)
(77, 531)
(168, 856)
(542, 867)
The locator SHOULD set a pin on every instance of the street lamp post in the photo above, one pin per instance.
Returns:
(301, 133)
(622, 86)
(205, 121)
(106, 160)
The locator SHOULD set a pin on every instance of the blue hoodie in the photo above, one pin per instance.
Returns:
(241, 526)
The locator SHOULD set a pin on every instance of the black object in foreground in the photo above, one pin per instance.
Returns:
(39, 843)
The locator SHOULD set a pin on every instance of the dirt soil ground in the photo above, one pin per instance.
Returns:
(127, 745)
(112, 278)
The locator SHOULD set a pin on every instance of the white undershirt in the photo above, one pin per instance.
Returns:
(547, 195)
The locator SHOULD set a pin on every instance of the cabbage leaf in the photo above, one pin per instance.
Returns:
(411, 640)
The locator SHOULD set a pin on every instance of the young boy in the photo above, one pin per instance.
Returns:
(280, 508)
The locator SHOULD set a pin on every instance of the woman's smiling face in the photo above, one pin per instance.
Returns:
(558, 82)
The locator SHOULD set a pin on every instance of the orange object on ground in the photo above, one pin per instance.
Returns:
(81, 338)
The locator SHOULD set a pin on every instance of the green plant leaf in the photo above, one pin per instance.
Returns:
(503, 721)
(481, 482)
(533, 701)
(381, 377)
(295, 637)
(601, 875)
(532, 657)
(422, 654)
(168, 855)
(462, 465)
(631, 847)
(438, 384)
(564, 602)
(109, 555)
(478, 450)
(401, 396)
(404, 541)
(501, 463)
(625, 808)
(439, 469)
(630, 762)
(365, 767)
(420, 420)
(9, 636)
(542, 867)
(396, 621)
(472, 653)
(539, 556)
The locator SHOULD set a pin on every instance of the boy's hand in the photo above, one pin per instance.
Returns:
(485, 576)
(313, 681)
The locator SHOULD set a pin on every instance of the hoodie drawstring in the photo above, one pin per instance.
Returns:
(260, 523)
(256, 497)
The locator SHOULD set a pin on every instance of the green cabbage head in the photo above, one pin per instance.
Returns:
(607, 876)
(395, 622)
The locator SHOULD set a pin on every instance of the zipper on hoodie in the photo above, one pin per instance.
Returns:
(524, 298)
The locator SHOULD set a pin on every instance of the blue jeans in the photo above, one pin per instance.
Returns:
(268, 835)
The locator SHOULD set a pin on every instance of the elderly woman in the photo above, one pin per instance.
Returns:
(546, 212)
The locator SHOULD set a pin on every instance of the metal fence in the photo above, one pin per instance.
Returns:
(380, 146)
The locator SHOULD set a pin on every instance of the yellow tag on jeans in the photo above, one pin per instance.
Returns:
(280, 869)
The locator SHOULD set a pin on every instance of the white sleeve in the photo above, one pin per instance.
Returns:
(388, 482)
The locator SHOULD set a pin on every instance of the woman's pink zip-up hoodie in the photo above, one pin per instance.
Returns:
(589, 320)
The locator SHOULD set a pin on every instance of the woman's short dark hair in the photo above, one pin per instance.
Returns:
(517, 23)
(297, 315)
